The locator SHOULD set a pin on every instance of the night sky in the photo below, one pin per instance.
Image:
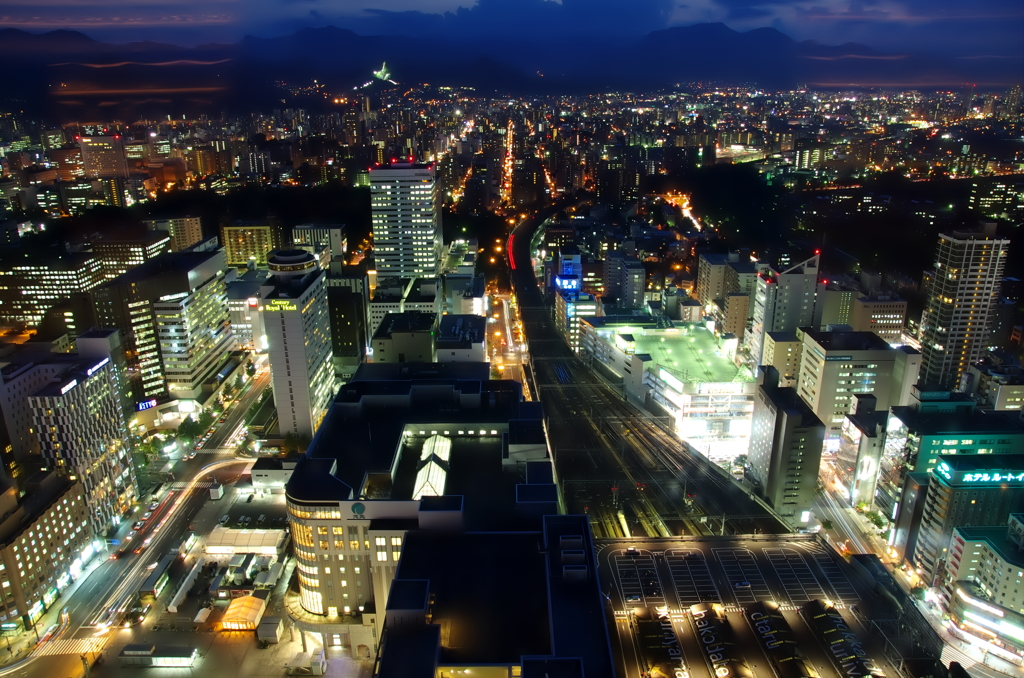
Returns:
(980, 29)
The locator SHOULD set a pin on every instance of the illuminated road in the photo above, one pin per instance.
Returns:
(113, 584)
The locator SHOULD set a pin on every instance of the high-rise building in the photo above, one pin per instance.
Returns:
(883, 314)
(250, 241)
(861, 445)
(297, 323)
(782, 351)
(348, 298)
(785, 449)
(27, 289)
(173, 313)
(82, 434)
(46, 540)
(184, 231)
(103, 157)
(783, 301)
(406, 212)
(245, 308)
(118, 253)
(961, 296)
(331, 236)
(836, 365)
(964, 489)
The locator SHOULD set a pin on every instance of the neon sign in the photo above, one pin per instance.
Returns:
(992, 477)
(68, 386)
(92, 370)
(145, 405)
(281, 305)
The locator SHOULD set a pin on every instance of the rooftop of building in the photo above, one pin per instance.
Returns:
(846, 341)
(471, 592)
(959, 463)
(76, 372)
(248, 284)
(972, 422)
(461, 330)
(169, 262)
(42, 489)
(292, 287)
(997, 539)
(788, 400)
(690, 352)
(129, 237)
(373, 440)
(394, 165)
(783, 337)
(408, 321)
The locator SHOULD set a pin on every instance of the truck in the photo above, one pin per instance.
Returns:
(307, 664)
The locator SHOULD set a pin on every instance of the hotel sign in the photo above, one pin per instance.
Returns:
(281, 305)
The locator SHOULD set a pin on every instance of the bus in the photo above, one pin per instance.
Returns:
(187, 544)
(156, 492)
(157, 580)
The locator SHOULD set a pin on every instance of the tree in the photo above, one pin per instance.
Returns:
(205, 419)
(237, 386)
(826, 524)
(190, 429)
(250, 369)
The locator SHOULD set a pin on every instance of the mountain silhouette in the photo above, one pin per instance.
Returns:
(52, 73)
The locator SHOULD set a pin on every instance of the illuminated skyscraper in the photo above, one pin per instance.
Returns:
(103, 157)
(406, 210)
(297, 323)
(961, 296)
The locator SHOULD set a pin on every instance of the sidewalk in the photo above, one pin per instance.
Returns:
(22, 646)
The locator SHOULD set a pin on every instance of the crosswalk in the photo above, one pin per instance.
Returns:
(183, 484)
(77, 646)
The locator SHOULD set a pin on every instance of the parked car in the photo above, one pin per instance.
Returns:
(633, 599)
(224, 518)
(742, 584)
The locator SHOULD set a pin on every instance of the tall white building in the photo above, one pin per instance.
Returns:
(297, 324)
(783, 301)
(406, 212)
(836, 365)
(961, 297)
(173, 311)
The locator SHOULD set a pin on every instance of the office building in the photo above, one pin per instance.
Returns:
(245, 306)
(296, 320)
(121, 252)
(348, 300)
(961, 297)
(883, 314)
(331, 236)
(836, 365)
(861, 445)
(632, 284)
(27, 290)
(406, 337)
(569, 309)
(398, 295)
(405, 204)
(783, 301)
(782, 350)
(46, 540)
(939, 423)
(184, 231)
(173, 312)
(248, 242)
(785, 450)
(964, 490)
(461, 338)
(992, 557)
(79, 423)
(995, 386)
(103, 157)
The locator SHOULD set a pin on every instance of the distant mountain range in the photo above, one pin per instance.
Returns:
(67, 75)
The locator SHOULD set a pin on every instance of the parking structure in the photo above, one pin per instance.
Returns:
(691, 578)
(638, 578)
